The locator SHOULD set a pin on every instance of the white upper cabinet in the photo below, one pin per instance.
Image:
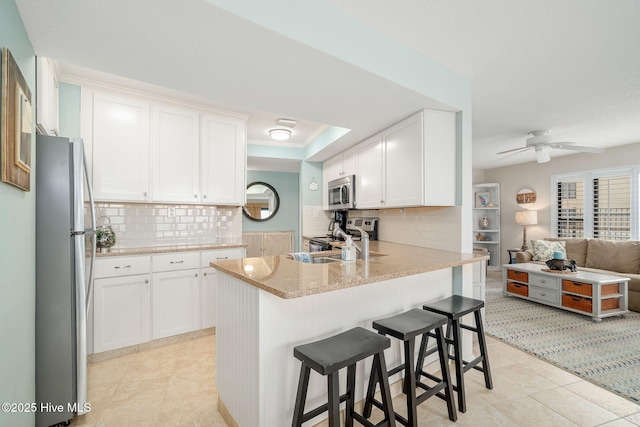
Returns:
(223, 159)
(411, 163)
(120, 147)
(175, 148)
(369, 179)
(146, 149)
(47, 97)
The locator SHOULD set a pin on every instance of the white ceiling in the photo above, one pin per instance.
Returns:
(571, 66)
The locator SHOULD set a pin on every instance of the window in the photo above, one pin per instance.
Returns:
(597, 204)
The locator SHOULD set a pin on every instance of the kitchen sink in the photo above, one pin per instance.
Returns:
(326, 260)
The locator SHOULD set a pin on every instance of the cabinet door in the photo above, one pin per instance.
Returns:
(223, 160)
(369, 179)
(439, 158)
(47, 88)
(175, 147)
(254, 244)
(403, 155)
(175, 303)
(209, 297)
(278, 243)
(349, 162)
(332, 168)
(120, 148)
(121, 310)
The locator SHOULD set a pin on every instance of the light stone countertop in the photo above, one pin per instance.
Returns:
(286, 278)
(167, 249)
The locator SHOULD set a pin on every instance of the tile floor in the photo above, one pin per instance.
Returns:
(175, 386)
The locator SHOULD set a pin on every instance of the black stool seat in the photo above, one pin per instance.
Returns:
(454, 308)
(406, 327)
(331, 354)
(327, 357)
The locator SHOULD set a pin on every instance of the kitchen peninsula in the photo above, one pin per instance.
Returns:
(268, 305)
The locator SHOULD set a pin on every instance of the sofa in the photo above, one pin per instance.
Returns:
(616, 257)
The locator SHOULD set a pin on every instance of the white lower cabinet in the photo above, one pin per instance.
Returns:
(209, 282)
(121, 303)
(142, 298)
(209, 297)
(175, 294)
(175, 302)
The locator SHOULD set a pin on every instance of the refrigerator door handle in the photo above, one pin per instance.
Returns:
(92, 231)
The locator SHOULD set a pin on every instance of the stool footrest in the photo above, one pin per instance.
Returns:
(320, 409)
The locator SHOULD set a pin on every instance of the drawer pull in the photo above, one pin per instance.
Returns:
(122, 266)
(176, 262)
(222, 257)
(543, 281)
(542, 294)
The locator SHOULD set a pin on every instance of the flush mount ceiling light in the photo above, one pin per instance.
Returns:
(279, 134)
(282, 131)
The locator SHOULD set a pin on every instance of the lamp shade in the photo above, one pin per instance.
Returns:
(526, 217)
(542, 154)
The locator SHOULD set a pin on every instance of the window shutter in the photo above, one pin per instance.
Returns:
(570, 209)
(612, 207)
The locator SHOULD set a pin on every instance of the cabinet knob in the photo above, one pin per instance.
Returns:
(543, 281)
(196, 274)
(195, 196)
(543, 294)
(144, 194)
(204, 196)
(204, 274)
(146, 282)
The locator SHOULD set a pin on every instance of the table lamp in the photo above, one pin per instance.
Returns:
(525, 218)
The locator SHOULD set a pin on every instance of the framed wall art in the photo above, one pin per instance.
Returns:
(16, 129)
(482, 199)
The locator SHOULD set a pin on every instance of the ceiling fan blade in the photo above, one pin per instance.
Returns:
(574, 147)
(515, 149)
(514, 152)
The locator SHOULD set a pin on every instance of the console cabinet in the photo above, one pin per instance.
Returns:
(591, 294)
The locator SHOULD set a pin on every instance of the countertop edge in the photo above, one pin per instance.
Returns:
(168, 249)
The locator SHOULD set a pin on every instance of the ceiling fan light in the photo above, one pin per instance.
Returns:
(542, 154)
(279, 134)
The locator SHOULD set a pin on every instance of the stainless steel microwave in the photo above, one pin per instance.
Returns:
(342, 193)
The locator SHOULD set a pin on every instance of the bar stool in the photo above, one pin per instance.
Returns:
(406, 327)
(330, 355)
(454, 308)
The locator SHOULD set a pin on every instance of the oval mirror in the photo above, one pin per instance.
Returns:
(526, 198)
(262, 202)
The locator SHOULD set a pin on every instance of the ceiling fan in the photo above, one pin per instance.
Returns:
(540, 140)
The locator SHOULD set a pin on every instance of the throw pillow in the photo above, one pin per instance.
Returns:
(543, 249)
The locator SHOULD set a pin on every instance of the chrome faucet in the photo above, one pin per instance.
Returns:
(364, 238)
(338, 232)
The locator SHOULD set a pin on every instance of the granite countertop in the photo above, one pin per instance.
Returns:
(286, 278)
(167, 249)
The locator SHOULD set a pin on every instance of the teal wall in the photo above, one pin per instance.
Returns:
(17, 252)
(288, 216)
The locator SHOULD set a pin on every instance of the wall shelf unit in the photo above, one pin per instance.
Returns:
(486, 221)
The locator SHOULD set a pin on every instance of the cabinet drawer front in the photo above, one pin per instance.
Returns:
(544, 294)
(517, 288)
(544, 282)
(520, 276)
(578, 303)
(175, 261)
(121, 266)
(577, 287)
(221, 255)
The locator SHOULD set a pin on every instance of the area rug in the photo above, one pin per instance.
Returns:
(605, 353)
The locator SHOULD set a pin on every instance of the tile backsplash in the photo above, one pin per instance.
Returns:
(139, 225)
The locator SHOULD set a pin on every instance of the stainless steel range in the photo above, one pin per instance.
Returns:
(323, 243)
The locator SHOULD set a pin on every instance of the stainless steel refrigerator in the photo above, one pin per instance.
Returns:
(63, 287)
